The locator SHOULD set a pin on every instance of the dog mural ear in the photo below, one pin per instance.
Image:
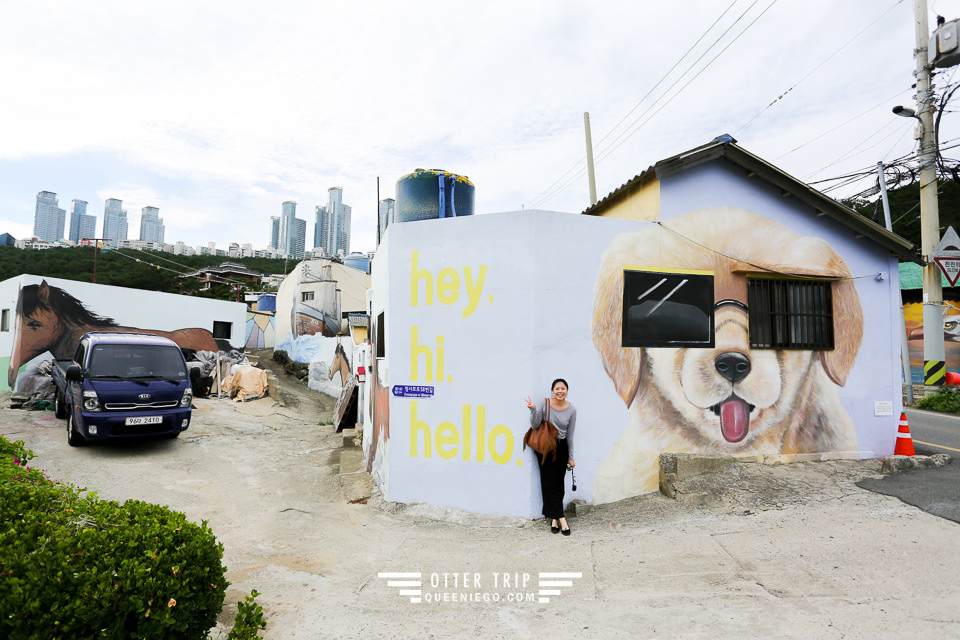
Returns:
(847, 331)
(622, 364)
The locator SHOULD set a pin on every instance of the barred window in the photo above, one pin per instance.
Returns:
(790, 314)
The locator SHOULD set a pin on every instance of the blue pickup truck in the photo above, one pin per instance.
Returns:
(122, 385)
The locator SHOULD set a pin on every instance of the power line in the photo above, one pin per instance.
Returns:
(637, 124)
(842, 124)
(606, 153)
(578, 163)
(812, 71)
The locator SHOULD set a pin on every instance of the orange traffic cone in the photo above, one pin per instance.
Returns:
(904, 441)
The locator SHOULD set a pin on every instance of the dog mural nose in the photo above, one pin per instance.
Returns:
(732, 365)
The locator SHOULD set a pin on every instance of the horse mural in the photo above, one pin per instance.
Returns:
(50, 319)
(340, 363)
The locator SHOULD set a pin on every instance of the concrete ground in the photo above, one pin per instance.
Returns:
(792, 551)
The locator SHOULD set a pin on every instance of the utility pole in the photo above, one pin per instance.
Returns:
(590, 172)
(904, 344)
(934, 365)
(97, 243)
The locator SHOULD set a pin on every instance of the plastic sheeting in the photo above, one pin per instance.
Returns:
(246, 383)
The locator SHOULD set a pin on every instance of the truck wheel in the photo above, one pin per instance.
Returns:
(74, 439)
(58, 409)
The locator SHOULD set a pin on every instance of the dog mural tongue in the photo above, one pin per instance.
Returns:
(734, 419)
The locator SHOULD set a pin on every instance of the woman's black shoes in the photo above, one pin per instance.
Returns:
(554, 529)
(566, 531)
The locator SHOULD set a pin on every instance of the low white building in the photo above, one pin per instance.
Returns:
(63, 310)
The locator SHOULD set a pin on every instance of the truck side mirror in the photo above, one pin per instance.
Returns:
(74, 373)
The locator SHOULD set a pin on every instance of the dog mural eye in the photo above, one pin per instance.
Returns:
(667, 309)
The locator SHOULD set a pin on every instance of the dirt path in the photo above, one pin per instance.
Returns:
(787, 552)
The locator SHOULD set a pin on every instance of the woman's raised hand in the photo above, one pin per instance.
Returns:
(529, 402)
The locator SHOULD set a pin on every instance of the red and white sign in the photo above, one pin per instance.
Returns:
(950, 268)
(947, 255)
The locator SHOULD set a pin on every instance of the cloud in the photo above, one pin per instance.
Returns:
(217, 113)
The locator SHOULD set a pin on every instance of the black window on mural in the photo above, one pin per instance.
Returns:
(222, 330)
(790, 314)
(667, 309)
(379, 330)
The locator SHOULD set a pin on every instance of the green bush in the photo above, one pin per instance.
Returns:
(945, 400)
(75, 566)
(248, 622)
(14, 457)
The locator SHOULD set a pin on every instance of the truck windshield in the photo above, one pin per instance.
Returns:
(135, 361)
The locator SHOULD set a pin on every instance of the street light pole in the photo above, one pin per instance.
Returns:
(934, 366)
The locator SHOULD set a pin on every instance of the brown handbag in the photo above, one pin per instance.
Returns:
(543, 439)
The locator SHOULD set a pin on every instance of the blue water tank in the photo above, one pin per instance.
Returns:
(358, 260)
(427, 194)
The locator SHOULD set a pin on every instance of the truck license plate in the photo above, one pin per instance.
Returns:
(144, 420)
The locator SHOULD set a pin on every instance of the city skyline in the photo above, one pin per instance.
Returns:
(116, 225)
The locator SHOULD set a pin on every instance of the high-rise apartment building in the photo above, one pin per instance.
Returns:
(81, 225)
(274, 232)
(385, 215)
(299, 245)
(292, 232)
(79, 209)
(49, 219)
(151, 225)
(320, 218)
(114, 221)
(332, 231)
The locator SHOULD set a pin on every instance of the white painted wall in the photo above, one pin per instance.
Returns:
(509, 310)
(129, 307)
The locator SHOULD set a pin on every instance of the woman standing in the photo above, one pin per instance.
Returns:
(563, 416)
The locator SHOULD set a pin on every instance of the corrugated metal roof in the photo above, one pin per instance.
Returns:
(911, 277)
(755, 166)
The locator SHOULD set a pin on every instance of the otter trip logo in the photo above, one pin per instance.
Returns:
(466, 587)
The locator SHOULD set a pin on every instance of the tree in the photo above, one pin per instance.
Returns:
(905, 208)
(149, 270)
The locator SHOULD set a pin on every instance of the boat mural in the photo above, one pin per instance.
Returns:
(316, 308)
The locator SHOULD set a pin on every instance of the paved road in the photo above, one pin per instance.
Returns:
(934, 432)
(936, 491)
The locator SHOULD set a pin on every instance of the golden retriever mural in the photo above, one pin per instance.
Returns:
(686, 399)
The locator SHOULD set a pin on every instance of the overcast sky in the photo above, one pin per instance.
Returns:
(217, 112)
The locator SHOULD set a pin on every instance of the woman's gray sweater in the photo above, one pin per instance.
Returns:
(565, 421)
